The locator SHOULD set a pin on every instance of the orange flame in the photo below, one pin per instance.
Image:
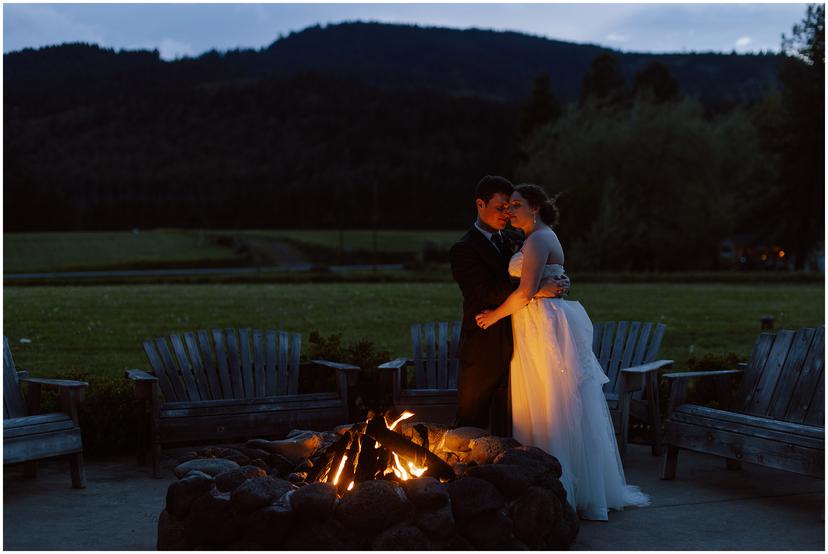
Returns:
(339, 471)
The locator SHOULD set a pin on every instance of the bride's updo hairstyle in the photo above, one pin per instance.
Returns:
(537, 198)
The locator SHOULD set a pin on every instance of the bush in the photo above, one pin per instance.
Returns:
(370, 390)
(703, 391)
(107, 412)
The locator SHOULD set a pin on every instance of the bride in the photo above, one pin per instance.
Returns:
(557, 399)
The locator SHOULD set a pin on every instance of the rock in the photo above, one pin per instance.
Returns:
(171, 534)
(210, 466)
(460, 469)
(280, 464)
(471, 496)
(253, 453)
(299, 446)
(316, 500)
(436, 432)
(510, 480)
(258, 492)
(181, 493)
(485, 449)
(491, 531)
(437, 524)
(224, 452)
(303, 466)
(402, 537)
(269, 526)
(372, 506)
(261, 464)
(426, 492)
(566, 529)
(532, 458)
(296, 478)
(341, 429)
(312, 534)
(455, 542)
(229, 480)
(458, 439)
(549, 481)
(534, 516)
(211, 522)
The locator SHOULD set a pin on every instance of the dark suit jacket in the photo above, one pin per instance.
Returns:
(483, 277)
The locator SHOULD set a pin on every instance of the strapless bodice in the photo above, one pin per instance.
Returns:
(516, 267)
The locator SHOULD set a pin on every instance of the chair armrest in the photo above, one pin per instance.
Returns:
(21, 373)
(139, 375)
(691, 374)
(397, 363)
(62, 383)
(337, 366)
(647, 368)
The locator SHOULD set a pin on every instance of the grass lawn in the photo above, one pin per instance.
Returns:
(100, 328)
(363, 239)
(45, 252)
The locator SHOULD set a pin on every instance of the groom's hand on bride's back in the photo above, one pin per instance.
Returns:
(554, 287)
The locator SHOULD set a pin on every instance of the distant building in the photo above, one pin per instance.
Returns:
(750, 251)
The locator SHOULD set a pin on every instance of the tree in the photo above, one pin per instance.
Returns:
(802, 160)
(604, 81)
(657, 80)
(542, 107)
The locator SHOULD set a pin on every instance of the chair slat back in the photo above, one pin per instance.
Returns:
(623, 344)
(14, 405)
(241, 364)
(784, 377)
(433, 349)
(454, 363)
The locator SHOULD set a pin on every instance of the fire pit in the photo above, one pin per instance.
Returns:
(381, 484)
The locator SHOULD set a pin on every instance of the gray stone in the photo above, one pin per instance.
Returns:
(402, 537)
(210, 466)
(280, 464)
(372, 506)
(426, 492)
(566, 529)
(258, 492)
(549, 481)
(471, 496)
(269, 526)
(532, 458)
(455, 542)
(261, 464)
(510, 480)
(485, 449)
(211, 522)
(252, 453)
(229, 480)
(534, 516)
(181, 493)
(437, 524)
(171, 534)
(224, 452)
(491, 531)
(458, 439)
(312, 534)
(316, 500)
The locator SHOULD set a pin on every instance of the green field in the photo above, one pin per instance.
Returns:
(100, 328)
(47, 252)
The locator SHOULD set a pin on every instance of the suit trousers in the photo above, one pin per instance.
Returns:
(483, 397)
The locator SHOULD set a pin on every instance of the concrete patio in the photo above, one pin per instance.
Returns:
(707, 507)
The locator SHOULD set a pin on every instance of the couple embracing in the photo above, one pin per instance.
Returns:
(521, 338)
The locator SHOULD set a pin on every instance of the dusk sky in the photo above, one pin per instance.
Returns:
(191, 29)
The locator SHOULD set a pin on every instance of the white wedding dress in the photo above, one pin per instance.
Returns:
(558, 402)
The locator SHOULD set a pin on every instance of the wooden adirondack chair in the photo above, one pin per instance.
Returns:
(29, 435)
(627, 352)
(241, 384)
(777, 417)
(434, 395)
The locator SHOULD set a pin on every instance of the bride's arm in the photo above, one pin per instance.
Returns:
(535, 253)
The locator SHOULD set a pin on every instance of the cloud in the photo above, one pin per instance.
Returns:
(741, 42)
(170, 49)
(615, 37)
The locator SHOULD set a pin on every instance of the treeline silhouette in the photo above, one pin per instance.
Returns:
(351, 125)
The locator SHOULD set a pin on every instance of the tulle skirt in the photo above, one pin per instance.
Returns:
(558, 405)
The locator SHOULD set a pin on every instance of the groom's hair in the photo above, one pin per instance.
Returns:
(491, 185)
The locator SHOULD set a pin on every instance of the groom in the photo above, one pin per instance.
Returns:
(480, 265)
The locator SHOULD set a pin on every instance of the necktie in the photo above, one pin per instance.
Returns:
(497, 239)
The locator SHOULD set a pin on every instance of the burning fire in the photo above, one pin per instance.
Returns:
(380, 464)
